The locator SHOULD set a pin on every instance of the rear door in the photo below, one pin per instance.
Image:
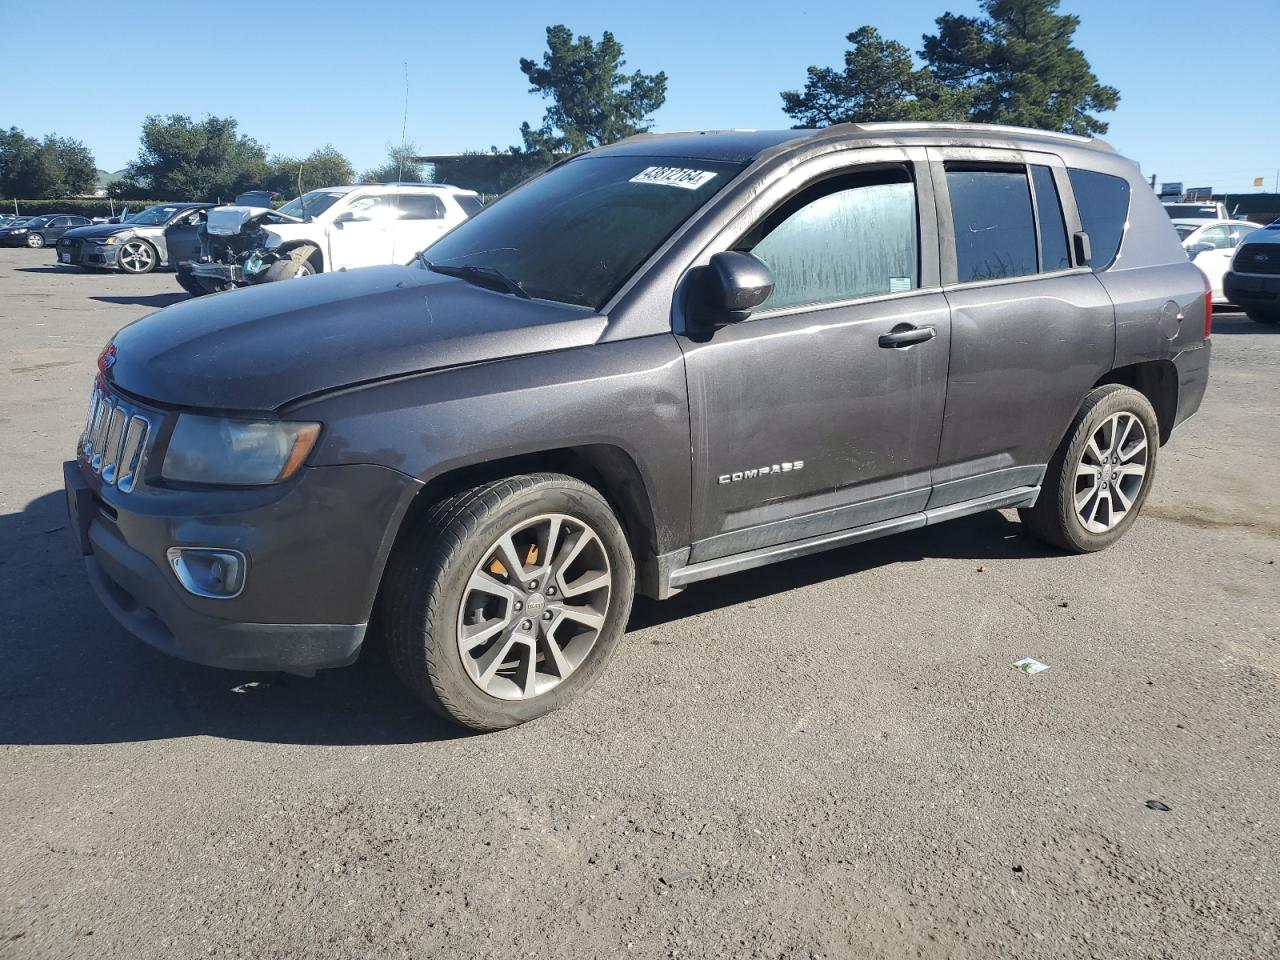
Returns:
(420, 222)
(805, 420)
(1031, 329)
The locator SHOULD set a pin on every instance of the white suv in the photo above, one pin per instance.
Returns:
(334, 228)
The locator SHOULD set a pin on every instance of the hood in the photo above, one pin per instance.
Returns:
(228, 221)
(261, 347)
(99, 230)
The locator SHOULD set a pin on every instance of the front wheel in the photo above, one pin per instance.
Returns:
(190, 284)
(502, 603)
(298, 263)
(137, 257)
(35, 240)
(1101, 474)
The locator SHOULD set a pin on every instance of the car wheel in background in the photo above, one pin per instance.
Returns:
(35, 240)
(1262, 316)
(137, 257)
(1100, 476)
(300, 262)
(190, 284)
(503, 602)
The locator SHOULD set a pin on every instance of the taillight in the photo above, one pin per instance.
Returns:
(1208, 305)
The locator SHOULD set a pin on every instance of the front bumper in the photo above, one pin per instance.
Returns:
(315, 555)
(1252, 291)
(222, 272)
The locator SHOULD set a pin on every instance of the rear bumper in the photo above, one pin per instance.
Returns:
(1193, 377)
(1252, 291)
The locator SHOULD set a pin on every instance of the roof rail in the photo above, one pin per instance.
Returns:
(979, 127)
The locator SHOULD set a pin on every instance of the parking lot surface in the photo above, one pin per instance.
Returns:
(831, 757)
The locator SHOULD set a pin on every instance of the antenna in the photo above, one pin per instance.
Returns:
(404, 127)
(302, 197)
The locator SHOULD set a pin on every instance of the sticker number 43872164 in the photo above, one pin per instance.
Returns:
(686, 178)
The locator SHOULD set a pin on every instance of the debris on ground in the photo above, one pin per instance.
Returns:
(1157, 805)
(1030, 665)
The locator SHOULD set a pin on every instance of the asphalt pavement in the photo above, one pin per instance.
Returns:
(832, 757)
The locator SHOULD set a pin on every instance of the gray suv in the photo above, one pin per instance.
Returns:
(662, 361)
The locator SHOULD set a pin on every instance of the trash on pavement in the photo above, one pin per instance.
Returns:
(1030, 665)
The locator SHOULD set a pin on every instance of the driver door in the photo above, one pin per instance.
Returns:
(360, 235)
(807, 417)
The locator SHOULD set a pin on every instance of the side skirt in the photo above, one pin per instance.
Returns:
(679, 576)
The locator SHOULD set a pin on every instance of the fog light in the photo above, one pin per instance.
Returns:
(209, 571)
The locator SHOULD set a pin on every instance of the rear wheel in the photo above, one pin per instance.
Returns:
(1263, 316)
(504, 602)
(1099, 478)
(137, 257)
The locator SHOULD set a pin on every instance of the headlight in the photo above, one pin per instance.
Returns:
(111, 239)
(272, 241)
(237, 452)
(19, 230)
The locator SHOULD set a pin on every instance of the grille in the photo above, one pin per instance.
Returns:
(1258, 258)
(114, 442)
(71, 245)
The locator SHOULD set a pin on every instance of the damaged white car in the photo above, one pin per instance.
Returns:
(335, 228)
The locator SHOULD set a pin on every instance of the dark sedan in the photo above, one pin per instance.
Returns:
(137, 246)
(40, 231)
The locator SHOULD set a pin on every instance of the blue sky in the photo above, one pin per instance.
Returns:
(325, 72)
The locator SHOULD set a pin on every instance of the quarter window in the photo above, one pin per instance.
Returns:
(843, 239)
(1103, 202)
(1052, 227)
(994, 227)
(415, 206)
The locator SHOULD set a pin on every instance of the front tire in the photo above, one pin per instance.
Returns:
(1100, 475)
(300, 262)
(504, 602)
(35, 240)
(137, 257)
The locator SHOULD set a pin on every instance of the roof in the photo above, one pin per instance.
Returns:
(347, 188)
(744, 145)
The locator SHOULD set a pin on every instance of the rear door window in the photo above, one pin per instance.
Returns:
(1052, 226)
(994, 227)
(1103, 202)
(424, 206)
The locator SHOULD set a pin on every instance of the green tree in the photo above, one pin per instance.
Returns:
(592, 101)
(401, 165)
(325, 167)
(182, 159)
(1019, 65)
(53, 167)
(879, 82)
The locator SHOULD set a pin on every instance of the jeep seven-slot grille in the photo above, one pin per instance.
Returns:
(1258, 258)
(114, 442)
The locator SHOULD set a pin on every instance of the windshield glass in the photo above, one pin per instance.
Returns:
(1185, 230)
(317, 201)
(578, 232)
(21, 222)
(154, 216)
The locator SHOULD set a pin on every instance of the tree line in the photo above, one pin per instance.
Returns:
(1015, 63)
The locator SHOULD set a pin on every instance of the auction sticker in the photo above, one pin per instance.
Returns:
(686, 178)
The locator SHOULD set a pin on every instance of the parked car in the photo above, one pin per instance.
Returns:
(137, 246)
(1253, 282)
(1210, 244)
(1198, 210)
(335, 228)
(39, 231)
(9, 219)
(665, 360)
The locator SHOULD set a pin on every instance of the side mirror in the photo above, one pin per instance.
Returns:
(342, 218)
(1083, 250)
(734, 285)
(1199, 248)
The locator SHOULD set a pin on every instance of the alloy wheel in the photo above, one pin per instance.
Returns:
(534, 607)
(1111, 472)
(136, 257)
(35, 240)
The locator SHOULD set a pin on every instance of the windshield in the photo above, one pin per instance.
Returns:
(1185, 230)
(1191, 211)
(317, 201)
(579, 231)
(154, 216)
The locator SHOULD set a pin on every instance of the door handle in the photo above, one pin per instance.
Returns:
(905, 336)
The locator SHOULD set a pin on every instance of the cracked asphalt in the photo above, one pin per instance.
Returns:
(828, 758)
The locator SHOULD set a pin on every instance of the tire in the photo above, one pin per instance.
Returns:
(137, 257)
(1260, 316)
(1059, 516)
(300, 262)
(190, 284)
(35, 240)
(431, 607)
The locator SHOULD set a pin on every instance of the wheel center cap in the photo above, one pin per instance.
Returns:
(535, 603)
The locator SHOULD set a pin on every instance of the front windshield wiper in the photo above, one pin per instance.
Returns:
(480, 276)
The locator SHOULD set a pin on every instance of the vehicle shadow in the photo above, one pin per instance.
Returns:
(55, 268)
(156, 300)
(1236, 322)
(73, 676)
